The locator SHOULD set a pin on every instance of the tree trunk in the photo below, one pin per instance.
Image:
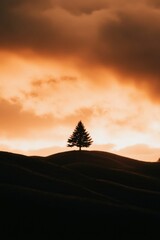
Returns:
(80, 148)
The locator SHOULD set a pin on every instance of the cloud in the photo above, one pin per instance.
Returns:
(81, 7)
(25, 132)
(123, 38)
(40, 30)
(141, 152)
(62, 95)
(16, 123)
(130, 45)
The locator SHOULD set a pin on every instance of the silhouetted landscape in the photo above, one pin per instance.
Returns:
(78, 192)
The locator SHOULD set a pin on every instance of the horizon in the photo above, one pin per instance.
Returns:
(91, 60)
(52, 151)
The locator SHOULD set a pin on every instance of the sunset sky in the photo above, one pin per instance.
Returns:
(97, 61)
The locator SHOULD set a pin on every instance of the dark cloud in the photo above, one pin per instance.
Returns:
(130, 45)
(30, 28)
(11, 4)
(48, 86)
(52, 82)
(82, 7)
(155, 3)
(122, 37)
(22, 30)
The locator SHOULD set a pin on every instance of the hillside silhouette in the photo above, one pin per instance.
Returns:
(80, 192)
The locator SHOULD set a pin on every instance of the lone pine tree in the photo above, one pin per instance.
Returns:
(80, 137)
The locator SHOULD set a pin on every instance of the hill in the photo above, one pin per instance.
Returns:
(79, 192)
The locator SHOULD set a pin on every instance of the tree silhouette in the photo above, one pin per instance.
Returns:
(80, 137)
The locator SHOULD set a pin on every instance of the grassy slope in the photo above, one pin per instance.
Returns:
(86, 191)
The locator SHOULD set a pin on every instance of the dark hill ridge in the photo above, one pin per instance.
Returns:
(101, 158)
(87, 191)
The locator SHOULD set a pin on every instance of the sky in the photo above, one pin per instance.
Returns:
(95, 60)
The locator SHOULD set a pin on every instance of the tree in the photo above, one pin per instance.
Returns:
(80, 137)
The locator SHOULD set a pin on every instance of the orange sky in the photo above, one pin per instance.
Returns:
(96, 61)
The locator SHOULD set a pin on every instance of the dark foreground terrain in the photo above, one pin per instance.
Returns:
(87, 192)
